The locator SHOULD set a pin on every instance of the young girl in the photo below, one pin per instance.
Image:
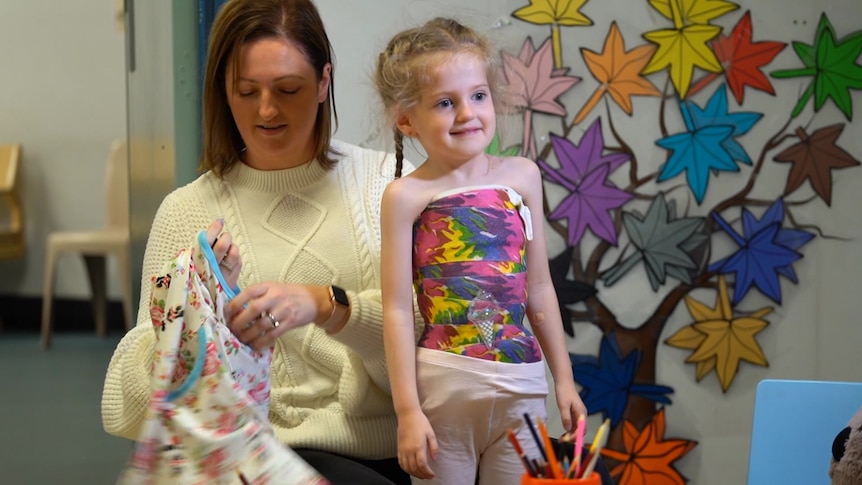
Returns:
(458, 230)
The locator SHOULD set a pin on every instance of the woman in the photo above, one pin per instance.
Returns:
(297, 226)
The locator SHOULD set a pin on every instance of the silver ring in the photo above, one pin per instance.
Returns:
(271, 317)
(275, 322)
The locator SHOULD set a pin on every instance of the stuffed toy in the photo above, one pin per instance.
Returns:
(846, 466)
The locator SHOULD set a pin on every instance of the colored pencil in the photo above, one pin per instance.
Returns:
(535, 436)
(520, 452)
(579, 442)
(552, 457)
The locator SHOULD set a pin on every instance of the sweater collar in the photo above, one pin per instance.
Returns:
(286, 180)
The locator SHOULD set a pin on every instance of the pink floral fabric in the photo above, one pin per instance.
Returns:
(207, 420)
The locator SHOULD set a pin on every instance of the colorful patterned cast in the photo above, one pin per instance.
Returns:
(466, 241)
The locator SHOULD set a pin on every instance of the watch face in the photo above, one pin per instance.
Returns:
(340, 296)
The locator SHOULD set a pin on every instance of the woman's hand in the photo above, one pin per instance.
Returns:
(264, 311)
(225, 252)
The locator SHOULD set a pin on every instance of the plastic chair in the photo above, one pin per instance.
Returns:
(795, 423)
(11, 218)
(95, 247)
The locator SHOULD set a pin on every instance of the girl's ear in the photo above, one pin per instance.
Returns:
(405, 126)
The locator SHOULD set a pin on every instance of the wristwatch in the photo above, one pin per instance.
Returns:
(340, 307)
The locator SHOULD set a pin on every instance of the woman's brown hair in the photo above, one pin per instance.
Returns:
(237, 23)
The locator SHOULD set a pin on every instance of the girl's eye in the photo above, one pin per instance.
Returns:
(480, 96)
(445, 103)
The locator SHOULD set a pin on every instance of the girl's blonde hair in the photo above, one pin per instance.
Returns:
(406, 65)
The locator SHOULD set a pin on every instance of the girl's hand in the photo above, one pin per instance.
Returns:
(416, 444)
(264, 311)
(225, 252)
(570, 404)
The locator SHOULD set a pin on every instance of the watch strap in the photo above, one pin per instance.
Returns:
(339, 310)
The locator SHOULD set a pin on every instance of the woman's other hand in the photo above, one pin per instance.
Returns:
(264, 311)
(225, 252)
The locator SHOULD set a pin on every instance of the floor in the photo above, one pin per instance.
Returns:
(50, 424)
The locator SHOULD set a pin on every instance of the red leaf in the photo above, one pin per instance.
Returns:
(742, 59)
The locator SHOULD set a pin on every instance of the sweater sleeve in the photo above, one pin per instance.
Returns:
(126, 392)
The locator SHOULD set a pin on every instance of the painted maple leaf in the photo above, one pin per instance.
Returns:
(618, 71)
(583, 172)
(554, 13)
(698, 152)
(719, 339)
(663, 242)
(535, 85)
(693, 11)
(648, 457)
(715, 113)
(494, 148)
(607, 381)
(685, 47)
(814, 158)
(833, 65)
(766, 250)
(569, 291)
(742, 60)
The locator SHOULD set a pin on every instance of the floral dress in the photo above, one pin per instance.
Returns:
(469, 252)
(207, 420)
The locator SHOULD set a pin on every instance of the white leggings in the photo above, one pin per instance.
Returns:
(471, 403)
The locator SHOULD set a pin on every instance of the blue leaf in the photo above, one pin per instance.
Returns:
(773, 256)
(715, 114)
(607, 381)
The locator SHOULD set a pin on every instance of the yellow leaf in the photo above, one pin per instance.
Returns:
(704, 367)
(694, 11)
(729, 343)
(700, 312)
(682, 50)
(720, 341)
(687, 337)
(562, 12)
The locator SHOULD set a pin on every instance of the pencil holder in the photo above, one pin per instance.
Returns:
(593, 479)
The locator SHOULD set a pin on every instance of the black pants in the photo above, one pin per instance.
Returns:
(341, 470)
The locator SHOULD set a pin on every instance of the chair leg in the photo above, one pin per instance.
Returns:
(96, 271)
(48, 293)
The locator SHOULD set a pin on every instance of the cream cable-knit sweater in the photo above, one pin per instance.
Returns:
(302, 225)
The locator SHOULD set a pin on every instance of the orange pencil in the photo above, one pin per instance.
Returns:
(552, 457)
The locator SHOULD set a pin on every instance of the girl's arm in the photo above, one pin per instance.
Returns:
(543, 310)
(416, 440)
(396, 278)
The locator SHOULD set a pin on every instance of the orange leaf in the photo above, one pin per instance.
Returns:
(648, 457)
(619, 72)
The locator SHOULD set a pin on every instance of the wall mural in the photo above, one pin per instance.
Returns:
(672, 241)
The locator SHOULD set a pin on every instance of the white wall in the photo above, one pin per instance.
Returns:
(814, 334)
(62, 96)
